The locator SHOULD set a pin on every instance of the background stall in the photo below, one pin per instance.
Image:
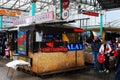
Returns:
(110, 35)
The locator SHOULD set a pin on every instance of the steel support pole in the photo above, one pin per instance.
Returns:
(33, 7)
(61, 9)
(101, 24)
(1, 22)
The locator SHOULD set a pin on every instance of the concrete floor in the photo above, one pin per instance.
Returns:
(89, 74)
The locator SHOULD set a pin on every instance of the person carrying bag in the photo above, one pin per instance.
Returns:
(105, 50)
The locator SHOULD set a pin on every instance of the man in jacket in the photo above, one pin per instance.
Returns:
(95, 45)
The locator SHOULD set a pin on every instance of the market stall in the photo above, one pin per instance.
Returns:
(51, 48)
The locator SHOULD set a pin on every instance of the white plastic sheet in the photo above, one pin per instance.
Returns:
(16, 63)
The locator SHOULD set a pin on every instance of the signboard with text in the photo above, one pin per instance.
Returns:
(75, 46)
(40, 18)
(53, 47)
(60, 47)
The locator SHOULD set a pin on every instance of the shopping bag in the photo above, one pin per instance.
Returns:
(101, 58)
(7, 52)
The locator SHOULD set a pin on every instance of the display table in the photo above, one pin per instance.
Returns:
(15, 64)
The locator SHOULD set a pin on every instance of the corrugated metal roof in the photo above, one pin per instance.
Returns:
(109, 4)
(25, 5)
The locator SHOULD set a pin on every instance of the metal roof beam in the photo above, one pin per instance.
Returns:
(91, 2)
(5, 3)
(14, 4)
(23, 5)
(44, 2)
(43, 6)
(14, 9)
(27, 8)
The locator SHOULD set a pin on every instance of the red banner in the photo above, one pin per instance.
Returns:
(78, 30)
(62, 49)
(91, 13)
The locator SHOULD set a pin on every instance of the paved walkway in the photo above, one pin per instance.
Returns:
(77, 75)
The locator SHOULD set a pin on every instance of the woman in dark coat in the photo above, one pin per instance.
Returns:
(117, 65)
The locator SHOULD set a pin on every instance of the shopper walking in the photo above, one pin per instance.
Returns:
(11, 47)
(95, 45)
(117, 64)
(6, 49)
(105, 50)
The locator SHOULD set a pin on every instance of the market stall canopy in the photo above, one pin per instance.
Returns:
(109, 4)
(53, 27)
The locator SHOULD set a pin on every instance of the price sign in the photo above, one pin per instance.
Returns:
(65, 14)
